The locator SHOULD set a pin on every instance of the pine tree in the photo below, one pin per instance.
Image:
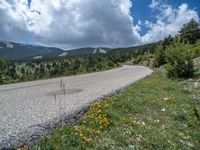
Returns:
(190, 32)
(2, 69)
(12, 72)
(167, 42)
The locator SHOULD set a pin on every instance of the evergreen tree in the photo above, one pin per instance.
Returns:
(12, 72)
(2, 69)
(22, 71)
(82, 69)
(37, 72)
(190, 32)
(167, 42)
(42, 71)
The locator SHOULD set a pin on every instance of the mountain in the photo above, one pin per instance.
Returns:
(16, 51)
(13, 51)
(86, 51)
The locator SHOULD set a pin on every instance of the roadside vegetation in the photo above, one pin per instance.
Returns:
(176, 54)
(155, 113)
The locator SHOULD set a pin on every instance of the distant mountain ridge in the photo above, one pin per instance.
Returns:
(11, 50)
(16, 51)
(88, 50)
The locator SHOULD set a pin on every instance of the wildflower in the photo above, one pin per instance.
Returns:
(99, 111)
(87, 139)
(89, 129)
(166, 98)
(157, 121)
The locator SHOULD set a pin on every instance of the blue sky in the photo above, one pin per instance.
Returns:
(141, 10)
(72, 24)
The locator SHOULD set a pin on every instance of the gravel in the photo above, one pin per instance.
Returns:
(31, 110)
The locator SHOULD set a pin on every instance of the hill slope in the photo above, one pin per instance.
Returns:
(15, 51)
(11, 50)
(88, 50)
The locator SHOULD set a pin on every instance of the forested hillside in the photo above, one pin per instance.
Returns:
(75, 62)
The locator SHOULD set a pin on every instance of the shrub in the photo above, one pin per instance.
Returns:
(159, 56)
(137, 59)
(180, 62)
(142, 58)
(196, 50)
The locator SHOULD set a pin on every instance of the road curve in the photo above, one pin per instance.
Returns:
(25, 107)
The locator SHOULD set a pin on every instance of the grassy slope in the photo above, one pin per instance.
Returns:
(156, 113)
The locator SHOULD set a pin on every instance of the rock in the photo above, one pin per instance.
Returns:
(190, 80)
(196, 61)
(187, 143)
(163, 110)
(132, 147)
(196, 101)
(196, 84)
(145, 63)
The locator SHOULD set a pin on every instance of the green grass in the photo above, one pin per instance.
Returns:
(155, 113)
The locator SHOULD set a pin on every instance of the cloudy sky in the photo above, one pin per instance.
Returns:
(92, 23)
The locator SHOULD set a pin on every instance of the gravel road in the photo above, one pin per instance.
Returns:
(28, 109)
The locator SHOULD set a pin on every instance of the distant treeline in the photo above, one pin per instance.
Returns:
(26, 70)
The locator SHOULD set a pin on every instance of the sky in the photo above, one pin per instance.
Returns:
(70, 24)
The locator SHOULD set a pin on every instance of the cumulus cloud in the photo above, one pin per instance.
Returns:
(69, 23)
(83, 23)
(169, 20)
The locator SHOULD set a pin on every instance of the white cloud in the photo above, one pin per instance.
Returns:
(169, 20)
(69, 23)
(154, 4)
(83, 23)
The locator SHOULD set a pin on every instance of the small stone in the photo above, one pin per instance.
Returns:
(196, 84)
(190, 80)
(163, 110)
(132, 147)
(187, 143)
